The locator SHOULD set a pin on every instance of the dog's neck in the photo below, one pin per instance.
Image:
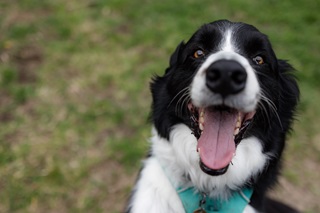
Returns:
(180, 162)
(194, 201)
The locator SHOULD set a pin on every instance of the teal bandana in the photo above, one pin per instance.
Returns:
(193, 201)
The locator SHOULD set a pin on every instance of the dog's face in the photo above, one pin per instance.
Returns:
(225, 84)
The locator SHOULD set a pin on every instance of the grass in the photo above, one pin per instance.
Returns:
(74, 97)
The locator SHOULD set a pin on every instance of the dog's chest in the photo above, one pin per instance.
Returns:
(154, 193)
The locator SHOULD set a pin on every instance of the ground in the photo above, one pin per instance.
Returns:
(74, 97)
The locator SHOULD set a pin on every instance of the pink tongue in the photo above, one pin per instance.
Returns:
(216, 143)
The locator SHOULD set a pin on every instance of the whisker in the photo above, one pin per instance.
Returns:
(182, 100)
(272, 106)
(186, 100)
(265, 114)
(181, 91)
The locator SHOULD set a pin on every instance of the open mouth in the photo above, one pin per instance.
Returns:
(218, 129)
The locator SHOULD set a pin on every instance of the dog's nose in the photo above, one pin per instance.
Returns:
(226, 77)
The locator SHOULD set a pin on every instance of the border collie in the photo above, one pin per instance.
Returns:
(221, 113)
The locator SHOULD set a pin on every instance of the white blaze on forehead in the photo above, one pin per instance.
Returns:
(226, 43)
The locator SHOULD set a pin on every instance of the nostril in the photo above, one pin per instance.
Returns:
(213, 75)
(238, 76)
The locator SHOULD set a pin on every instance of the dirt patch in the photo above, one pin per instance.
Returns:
(23, 64)
(117, 184)
(28, 59)
(303, 194)
(6, 117)
(297, 197)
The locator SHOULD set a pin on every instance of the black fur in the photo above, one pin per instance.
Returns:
(275, 79)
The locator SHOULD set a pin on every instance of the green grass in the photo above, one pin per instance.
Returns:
(74, 96)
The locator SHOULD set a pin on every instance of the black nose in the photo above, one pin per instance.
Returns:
(226, 77)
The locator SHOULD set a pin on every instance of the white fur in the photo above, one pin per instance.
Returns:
(226, 43)
(154, 192)
(249, 209)
(175, 163)
(244, 101)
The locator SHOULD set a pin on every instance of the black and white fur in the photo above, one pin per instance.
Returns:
(269, 90)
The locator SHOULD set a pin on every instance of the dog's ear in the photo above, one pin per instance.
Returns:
(289, 97)
(288, 80)
(176, 56)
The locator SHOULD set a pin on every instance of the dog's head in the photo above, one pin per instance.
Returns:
(226, 84)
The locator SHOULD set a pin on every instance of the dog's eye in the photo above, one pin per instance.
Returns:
(198, 54)
(258, 60)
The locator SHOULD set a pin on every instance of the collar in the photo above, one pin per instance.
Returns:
(192, 200)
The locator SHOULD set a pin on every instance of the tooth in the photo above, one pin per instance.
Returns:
(198, 150)
(202, 113)
(201, 126)
(236, 131)
(201, 119)
(238, 124)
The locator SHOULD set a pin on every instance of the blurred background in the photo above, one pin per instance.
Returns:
(74, 94)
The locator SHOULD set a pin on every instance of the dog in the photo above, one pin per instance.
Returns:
(221, 113)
